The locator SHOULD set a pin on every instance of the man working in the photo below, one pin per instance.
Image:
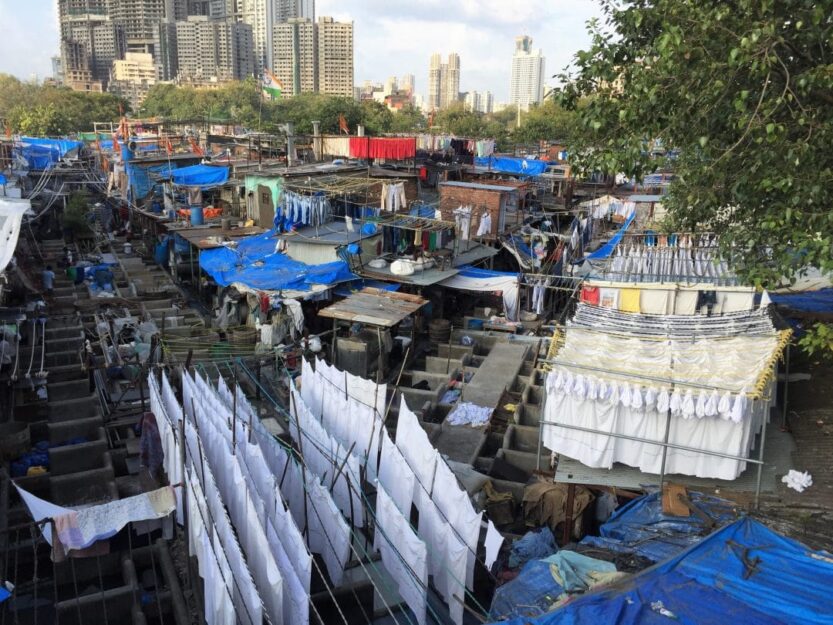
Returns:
(48, 278)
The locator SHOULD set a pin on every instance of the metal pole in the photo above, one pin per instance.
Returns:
(785, 406)
(665, 448)
(540, 444)
(760, 466)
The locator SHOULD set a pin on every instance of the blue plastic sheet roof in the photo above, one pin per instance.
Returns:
(476, 272)
(607, 249)
(640, 527)
(204, 176)
(42, 153)
(255, 264)
(513, 165)
(743, 573)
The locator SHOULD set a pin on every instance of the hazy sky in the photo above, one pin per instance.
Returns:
(392, 37)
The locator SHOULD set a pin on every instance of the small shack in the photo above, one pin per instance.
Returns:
(366, 349)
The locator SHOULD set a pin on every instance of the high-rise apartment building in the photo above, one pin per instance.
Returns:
(139, 19)
(88, 48)
(294, 55)
(443, 81)
(335, 56)
(434, 81)
(285, 10)
(312, 56)
(407, 83)
(133, 76)
(480, 101)
(450, 88)
(214, 50)
(527, 86)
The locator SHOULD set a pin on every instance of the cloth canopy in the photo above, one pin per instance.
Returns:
(512, 165)
(473, 279)
(395, 149)
(203, 176)
(140, 179)
(714, 386)
(744, 570)
(255, 263)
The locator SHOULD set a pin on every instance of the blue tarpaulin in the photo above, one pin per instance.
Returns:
(255, 264)
(43, 153)
(743, 573)
(513, 165)
(140, 177)
(640, 527)
(607, 249)
(808, 301)
(204, 176)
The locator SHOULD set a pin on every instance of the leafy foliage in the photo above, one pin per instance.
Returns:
(75, 215)
(48, 110)
(744, 92)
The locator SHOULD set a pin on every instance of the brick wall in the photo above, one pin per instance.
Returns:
(453, 197)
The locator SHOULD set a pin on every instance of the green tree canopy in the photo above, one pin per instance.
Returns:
(48, 110)
(744, 92)
(543, 122)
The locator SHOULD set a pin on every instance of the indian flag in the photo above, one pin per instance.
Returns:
(270, 84)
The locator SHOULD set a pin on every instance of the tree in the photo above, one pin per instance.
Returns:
(743, 92)
(543, 122)
(30, 108)
(408, 119)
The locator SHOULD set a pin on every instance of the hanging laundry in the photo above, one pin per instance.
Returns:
(485, 226)
(609, 298)
(462, 217)
(629, 300)
(590, 295)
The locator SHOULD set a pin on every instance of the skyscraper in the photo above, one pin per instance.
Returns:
(480, 101)
(335, 56)
(294, 60)
(527, 86)
(443, 81)
(312, 56)
(434, 81)
(407, 83)
(288, 9)
(214, 50)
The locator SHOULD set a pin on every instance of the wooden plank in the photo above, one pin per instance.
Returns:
(671, 503)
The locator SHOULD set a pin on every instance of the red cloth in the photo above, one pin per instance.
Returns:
(382, 147)
(423, 173)
(590, 294)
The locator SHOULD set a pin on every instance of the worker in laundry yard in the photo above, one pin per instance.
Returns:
(48, 279)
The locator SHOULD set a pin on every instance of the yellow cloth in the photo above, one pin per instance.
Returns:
(629, 300)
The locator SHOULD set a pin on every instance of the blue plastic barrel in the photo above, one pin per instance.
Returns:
(161, 255)
(197, 216)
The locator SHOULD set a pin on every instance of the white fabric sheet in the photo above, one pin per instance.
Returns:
(417, 450)
(508, 285)
(396, 476)
(403, 554)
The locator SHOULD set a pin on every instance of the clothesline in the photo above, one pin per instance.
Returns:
(291, 455)
(338, 462)
(292, 420)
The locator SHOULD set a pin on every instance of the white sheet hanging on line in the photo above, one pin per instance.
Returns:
(418, 451)
(396, 476)
(403, 554)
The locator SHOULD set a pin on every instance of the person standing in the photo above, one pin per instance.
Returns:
(48, 278)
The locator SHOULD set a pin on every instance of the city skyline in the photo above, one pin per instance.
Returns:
(483, 33)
